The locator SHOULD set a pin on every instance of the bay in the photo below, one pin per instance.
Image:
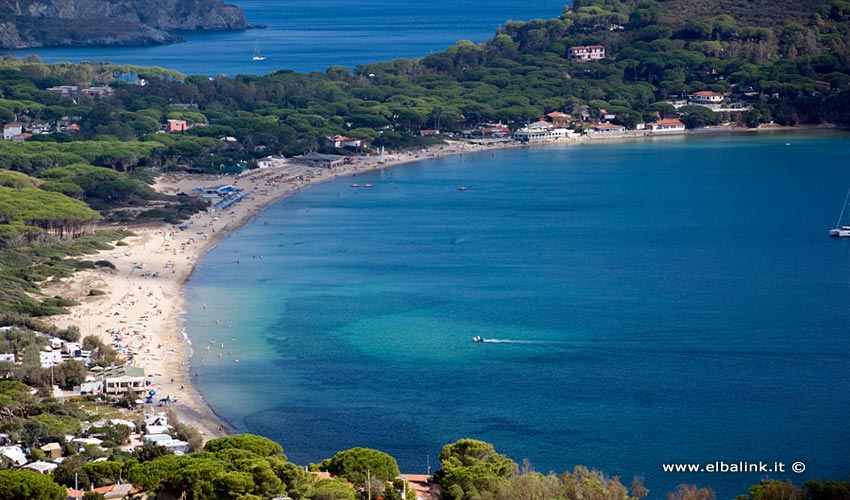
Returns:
(650, 302)
(306, 36)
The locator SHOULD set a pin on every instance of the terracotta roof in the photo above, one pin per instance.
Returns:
(708, 93)
(668, 122)
(111, 491)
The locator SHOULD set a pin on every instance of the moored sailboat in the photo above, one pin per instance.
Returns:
(257, 56)
(841, 231)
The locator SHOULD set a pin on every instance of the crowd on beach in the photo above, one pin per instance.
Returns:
(139, 314)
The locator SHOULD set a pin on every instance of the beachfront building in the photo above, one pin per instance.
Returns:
(585, 53)
(498, 131)
(541, 131)
(706, 98)
(118, 380)
(605, 130)
(319, 160)
(667, 125)
(271, 161)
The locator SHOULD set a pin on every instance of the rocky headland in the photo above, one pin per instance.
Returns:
(70, 23)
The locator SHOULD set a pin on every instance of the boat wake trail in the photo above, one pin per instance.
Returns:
(509, 341)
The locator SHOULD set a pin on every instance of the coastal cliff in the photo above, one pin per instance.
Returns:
(67, 23)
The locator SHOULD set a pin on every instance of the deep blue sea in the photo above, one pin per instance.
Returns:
(308, 35)
(670, 300)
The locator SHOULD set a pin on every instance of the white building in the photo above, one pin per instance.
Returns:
(175, 446)
(121, 379)
(666, 125)
(541, 132)
(153, 430)
(341, 141)
(13, 455)
(157, 438)
(600, 129)
(584, 53)
(271, 161)
(11, 130)
(41, 467)
(84, 443)
(50, 358)
(706, 98)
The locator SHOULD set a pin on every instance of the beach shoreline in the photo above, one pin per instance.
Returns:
(144, 307)
(142, 311)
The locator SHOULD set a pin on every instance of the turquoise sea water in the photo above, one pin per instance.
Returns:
(673, 300)
(305, 35)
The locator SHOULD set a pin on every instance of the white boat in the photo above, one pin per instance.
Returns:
(841, 231)
(257, 56)
(477, 339)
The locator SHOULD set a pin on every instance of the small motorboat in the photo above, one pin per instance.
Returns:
(367, 185)
(355, 185)
(462, 188)
(477, 339)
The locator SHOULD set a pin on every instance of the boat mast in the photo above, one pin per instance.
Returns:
(843, 207)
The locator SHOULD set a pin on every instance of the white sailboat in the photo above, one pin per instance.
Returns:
(257, 56)
(841, 231)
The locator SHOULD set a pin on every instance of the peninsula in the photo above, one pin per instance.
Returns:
(56, 23)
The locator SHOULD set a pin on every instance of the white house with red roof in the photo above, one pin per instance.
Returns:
(706, 98)
(11, 130)
(341, 141)
(666, 125)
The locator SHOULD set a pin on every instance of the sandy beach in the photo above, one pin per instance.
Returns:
(140, 313)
